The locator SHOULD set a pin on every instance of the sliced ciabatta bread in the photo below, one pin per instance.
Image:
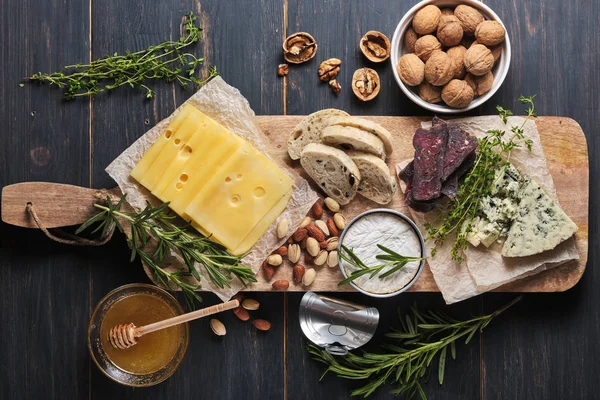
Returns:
(376, 183)
(366, 125)
(309, 130)
(333, 170)
(351, 138)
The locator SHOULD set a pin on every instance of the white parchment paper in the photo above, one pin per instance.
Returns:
(226, 105)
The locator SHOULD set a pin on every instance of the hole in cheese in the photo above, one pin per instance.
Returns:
(183, 178)
(259, 191)
(239, 176)
(177, 141)
(228, 179)
(168, 134)
(179, 185)
(186, 151)
(235, 200)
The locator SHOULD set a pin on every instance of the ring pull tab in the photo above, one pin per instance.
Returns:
(336, 350)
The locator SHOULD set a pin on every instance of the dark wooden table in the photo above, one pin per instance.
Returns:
(545, 348)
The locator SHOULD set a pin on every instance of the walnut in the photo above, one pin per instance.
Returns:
(426, 45)
(429, 93)
(457, 94)
(469, 18)
(365, 84)
(457, 54)
(375, 46)
(479, 60)
(439, 69)
(447, 11)
(426, 19)
(299, 47)
(496, 52)
(335, 86)
(283, 69)
(329, 69)
(410, 38)
(480, 84)
(450, 31)
(411, 69)
(490, 33)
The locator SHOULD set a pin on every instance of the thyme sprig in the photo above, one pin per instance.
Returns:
(154, 223)
(167, 61)
(392, 259)
(422, 337)
(493, 155)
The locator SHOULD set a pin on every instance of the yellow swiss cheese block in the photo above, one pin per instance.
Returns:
(238, 196)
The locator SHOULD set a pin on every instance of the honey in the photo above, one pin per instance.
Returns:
(154, 350)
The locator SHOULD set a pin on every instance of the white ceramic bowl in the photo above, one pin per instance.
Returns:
(398, 50)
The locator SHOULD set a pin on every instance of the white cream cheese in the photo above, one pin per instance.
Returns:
(388, 230)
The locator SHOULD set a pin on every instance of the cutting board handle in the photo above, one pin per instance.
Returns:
(56, 204)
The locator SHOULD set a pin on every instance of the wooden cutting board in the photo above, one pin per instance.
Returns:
(562, 138)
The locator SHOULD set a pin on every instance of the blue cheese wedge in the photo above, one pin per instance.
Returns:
(540, 224)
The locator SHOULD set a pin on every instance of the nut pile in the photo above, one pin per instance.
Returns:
(315, 242)
(451, 54)
(242, 312)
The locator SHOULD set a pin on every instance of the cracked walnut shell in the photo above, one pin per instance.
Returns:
(411, 69)
(439, 69)
(299, 47)
(490, 33)
(375, 46)
(426, 19)
(479, 60)
(425, 46)
(329, 69)
(457, 94)
(365, 84)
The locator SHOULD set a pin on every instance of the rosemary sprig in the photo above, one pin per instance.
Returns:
(493, 155)
(423, 336)
(167, 61)
(153, 223)
(392, 259)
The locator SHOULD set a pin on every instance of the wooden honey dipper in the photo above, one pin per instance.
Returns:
(124, 336)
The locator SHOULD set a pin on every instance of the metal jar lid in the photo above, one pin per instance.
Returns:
(336, 325)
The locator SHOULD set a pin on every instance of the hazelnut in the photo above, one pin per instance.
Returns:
(299, 47)
(426, 45)
(410, 37)
(490, 33)
(365, 84)
(447, 11)
(426, 19)
(429, 93)
(457, 94)
(411, 69)
(439, 69)
(469, 18)
(375, 46)
(457, 54)
(329, 69)
(480, 84)
(450, 31)
(479, 60)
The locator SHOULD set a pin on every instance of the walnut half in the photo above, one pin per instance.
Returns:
(329, 69)
(365, 84)
(375, 46)
(299, 47)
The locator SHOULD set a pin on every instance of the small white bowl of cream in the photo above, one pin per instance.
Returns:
(396, 232)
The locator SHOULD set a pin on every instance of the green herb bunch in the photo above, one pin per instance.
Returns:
(493, 154)
(167, 61)
(392, 261)
(153, 223)
(422, 338)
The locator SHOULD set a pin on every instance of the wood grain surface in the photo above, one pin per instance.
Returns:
(546, 347)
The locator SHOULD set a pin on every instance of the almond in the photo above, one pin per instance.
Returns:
(332, 227)
(303, 243)
(332, 243)
(309, 277)
(251, 304)
(312, 246)
(217, 327)
(274, 260)
(332, 259)
(323, 227)
(294, 253)
(333, 205)
(290, 240)
(281, 284)
(321, 258)
(282, 251)
(268, 271)
(239, 297)
(315, 232)
(298, 273)
(300, 235)
(305, 222)
(241, 313)
(317, 210)
(261, 324)
(340, 221)
(282, 228)
(323, 244)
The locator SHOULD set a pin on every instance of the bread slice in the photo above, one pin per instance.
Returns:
(366, 125)
(333, 170)
(351, 138)
(376, 183)
(309, 130)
